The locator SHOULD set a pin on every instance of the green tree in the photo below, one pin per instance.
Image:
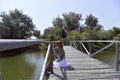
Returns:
(37, 34)
(55, 34)
(16, 25)
(47, 31)
(115, 33)
(92, 22)
(104, 35)
(58, 22)
(74, 35)
(71, 21)
(86, 35)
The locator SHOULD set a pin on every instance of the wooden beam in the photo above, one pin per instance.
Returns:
(85, 48)
(97, 41)
(109, 45)
(45, 62)
(51, 59)
(75, 45)
(117, 56)
(70, 43)
(90, 48)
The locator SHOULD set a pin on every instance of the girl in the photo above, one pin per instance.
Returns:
(61, 61)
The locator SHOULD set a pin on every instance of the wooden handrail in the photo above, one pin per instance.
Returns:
(114, 41)
(117, 56)
(102, 49)
(117, 50)
(74, 45)
(45, 63)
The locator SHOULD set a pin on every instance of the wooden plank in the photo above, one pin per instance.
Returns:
(117, 56)
(83, 67)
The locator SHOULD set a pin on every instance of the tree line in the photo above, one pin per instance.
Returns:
(17, 25)
(69, 27)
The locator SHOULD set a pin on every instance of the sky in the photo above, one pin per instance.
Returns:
(44, 11)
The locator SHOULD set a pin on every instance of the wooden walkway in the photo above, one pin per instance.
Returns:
(83, 67)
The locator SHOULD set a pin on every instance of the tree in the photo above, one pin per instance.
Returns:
(74, 35)
(52, 33)
(58, 22)
(47, 31)
(63, 33)
(91, 21)
(115, 32)
(71, 21)
(37, 34)
(17, 25)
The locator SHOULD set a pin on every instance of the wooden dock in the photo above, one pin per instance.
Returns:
(83, 67)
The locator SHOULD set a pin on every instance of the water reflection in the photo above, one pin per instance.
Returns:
(21, 67)
(31, 59)
(38, 68)
(108, 58)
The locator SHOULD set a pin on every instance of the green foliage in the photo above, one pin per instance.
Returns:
(117, 37)
(58, 22)
(74, 35)
(62, 27)
(86, 35)
(16, 25)
(115, 32)
(52, 33)
(89, 34)
(71, 21)
(104, 35)
(58, 25)
(37, 34)
(91, 21)
(43, 46)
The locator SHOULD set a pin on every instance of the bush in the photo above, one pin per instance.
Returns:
(74, 35)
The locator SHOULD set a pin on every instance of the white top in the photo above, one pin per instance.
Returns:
(62, 63)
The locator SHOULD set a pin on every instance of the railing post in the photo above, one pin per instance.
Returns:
(70, 43)
(64, 42)
(117, 56)
(51, 59)
(89, 45)
(74, 45)
(80, 46)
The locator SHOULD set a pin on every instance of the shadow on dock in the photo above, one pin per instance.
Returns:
(63, 72)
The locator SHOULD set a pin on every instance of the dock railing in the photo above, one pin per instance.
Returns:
(47, 68)
(91, 54)
(48, 64)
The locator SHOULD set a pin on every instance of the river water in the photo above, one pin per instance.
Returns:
(25, 66)
(108, 57)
